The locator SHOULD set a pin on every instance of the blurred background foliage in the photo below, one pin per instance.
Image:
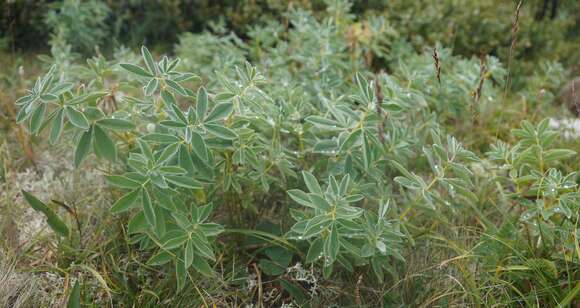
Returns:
(547, 29)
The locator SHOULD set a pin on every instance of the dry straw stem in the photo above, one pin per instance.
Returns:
(379, 97)
(515, 28)
(477, 93)
(437, 64)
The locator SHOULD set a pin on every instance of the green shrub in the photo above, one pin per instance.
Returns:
(79, 24)
(359, 169)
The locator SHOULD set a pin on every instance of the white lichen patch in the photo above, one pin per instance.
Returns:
(54, 177)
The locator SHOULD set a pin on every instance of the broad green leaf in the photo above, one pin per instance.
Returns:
(48, 97)
(74, 299)
(315, 251)
(180, 273)
(135, 69)
(188, 254)
(300, 197)
(185, 159)
(179, 114)
(126, 202)
(201, 265)
(319, 203)
(311, 183)
(104, 145)
(202, 246)
(160, 258)
(352, 138)
(363, 87)
(37, 118)
(332, 245)
(122, 182)
(175, 241)
(221, 131)
(322, 122)
(169, 98)
(271, 268)
(219, 112)
(148, 207)
(151, 86)
(23, 114)
(76, 118)
(198, 145)
(145, 149)
(172, 170)
(149, 62)
(24, 100)
(83, 147)
(183, 181)
(168, 153)
(116, 124)
(176, 87)
(160, 138)
(137, 224)
(56, 128)
(88, 97)
(93, 113)
(201, 105)
(55, 223)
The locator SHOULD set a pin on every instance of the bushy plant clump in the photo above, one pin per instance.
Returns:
(295, 130)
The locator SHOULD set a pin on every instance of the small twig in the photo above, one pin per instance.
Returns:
(260, 291)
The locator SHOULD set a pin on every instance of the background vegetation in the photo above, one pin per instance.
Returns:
(299, 153)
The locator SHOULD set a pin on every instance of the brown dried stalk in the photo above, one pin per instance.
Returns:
(437, 64)
(379, 109)
(477, 93)
(357, 298)
(515, 29)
